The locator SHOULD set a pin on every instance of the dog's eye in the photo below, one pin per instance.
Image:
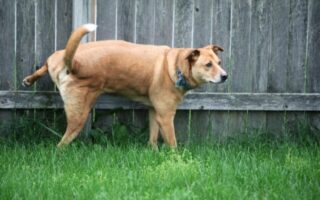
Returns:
(209, 64)
(219, 63)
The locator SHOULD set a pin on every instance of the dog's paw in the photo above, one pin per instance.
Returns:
(26, 82)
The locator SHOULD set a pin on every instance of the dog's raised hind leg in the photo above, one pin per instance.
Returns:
(29, 80)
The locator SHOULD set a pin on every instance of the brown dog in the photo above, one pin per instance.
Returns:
(157, 76)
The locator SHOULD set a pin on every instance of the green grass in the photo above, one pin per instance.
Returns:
(232, 170)
(117, 164)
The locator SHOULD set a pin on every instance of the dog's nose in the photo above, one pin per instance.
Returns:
(224, 77)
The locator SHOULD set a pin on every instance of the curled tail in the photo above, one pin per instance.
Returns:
(74, 42)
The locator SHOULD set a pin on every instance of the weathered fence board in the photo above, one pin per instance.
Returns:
(183, 16)
(313, 57)
(145, 21)
(25, 40)
(126, 20)
(63, 22)
(202, 18)
(44, 46)
(7, 39)
(278, 66)
(260, 37)
(192, 101)
(297, 57)
(7, 55)
(106, 19)
(297, 46)
(163, 22)
(44, 35)
(221, 31)
(221, 25)
(240, 77)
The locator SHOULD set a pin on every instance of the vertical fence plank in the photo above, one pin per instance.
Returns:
(240, 72)
(81, 10)
(278, 62)
(183, 14)
(260, 44)
(7, 56)
(279, 46)
(7, 44)
(145, 21)
(25, 45)
(163, 22)
(200, 120)
(45, 46)
(182, 37)
(25, 57)
(126, 20)
(312, 54)
(106, 19)
(63, 22)
(260, 38)
(295, 80)
(221, 21)
(221, 24)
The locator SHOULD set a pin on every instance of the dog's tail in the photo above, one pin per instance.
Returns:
(74, 42)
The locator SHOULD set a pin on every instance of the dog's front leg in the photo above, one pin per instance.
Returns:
(154, 129)
(165, 120)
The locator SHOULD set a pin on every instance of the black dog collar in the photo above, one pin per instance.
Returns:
(181, 81)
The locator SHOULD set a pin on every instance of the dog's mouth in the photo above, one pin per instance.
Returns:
(216, 82)
(219, 79)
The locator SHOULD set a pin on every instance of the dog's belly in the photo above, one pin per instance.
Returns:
(142, 99)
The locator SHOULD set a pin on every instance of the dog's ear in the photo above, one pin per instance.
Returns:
(215, 48)
(193, 55)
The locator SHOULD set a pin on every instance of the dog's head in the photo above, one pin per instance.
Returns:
(205, 65)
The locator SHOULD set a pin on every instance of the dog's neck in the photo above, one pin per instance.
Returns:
(182, 82)
(179, 79)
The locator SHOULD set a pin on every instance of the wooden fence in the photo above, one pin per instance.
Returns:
(271, 55)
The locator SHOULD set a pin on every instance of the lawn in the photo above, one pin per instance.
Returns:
(230, 170)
